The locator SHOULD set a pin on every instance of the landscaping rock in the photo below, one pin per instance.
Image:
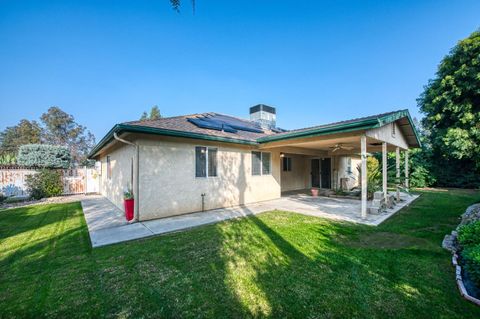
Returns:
(450, 242)
(471, 214)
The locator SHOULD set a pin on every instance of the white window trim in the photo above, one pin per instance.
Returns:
(206, 161)
(261, 164)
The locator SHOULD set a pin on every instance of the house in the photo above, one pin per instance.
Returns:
(190, 163)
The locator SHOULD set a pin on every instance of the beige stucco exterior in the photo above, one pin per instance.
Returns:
(167, 183)
(299, 176)
(121, 160)
(168, 186)
(341, 171)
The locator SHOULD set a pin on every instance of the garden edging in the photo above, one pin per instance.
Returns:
(460, 284)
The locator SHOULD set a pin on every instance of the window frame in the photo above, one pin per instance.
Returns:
(288, 166)
(349, 165)
(261, 163)
(109, 167)
(207, 148)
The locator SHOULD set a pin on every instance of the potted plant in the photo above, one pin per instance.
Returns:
(128, 203)
(314, 192)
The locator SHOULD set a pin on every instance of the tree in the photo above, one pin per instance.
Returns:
(177, 3)
(25, 132)
(44, 155)
(451, 104)
(144, 116)
(154, 114)
(60, 128)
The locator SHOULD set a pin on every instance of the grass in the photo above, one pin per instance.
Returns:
(276, 264)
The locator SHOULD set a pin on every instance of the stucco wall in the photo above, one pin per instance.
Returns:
(341, 170)
(299, 176)
(121, 161)
(168, 185)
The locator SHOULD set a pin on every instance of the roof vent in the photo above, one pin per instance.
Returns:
(264, 115)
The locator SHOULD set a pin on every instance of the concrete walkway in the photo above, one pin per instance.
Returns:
(107, 225)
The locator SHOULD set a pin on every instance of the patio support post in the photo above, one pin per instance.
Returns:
(384, 170)
(397, 165)
(363, 147)
(406, 172)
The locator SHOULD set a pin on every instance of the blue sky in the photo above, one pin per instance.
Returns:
(316, 61)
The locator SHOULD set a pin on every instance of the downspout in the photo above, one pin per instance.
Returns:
(136, 175)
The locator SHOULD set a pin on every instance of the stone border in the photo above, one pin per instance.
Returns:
(459, 280)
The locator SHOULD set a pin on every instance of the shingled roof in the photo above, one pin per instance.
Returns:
(180, 126)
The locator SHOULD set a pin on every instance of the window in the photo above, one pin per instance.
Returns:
(287, 164)
(261, 163)
(393, 129)
(256, 163)
(265, 163)
(109, 168)
(205, 161)
(212, 161)
(349, 165)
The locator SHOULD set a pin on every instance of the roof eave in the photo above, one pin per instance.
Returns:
(118, 128)
(341, 128)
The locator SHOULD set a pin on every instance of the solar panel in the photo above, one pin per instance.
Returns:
(225, 123)
(212, 125)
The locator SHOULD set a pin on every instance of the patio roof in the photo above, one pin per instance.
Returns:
(364, 123)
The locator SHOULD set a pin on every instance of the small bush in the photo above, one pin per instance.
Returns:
(2, 198)
(471, 258)
(469, 234)
(45, 183)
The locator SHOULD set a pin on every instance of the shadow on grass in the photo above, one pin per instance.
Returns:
(275, 264)
(15, 221)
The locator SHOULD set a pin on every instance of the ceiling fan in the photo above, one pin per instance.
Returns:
(341, 146)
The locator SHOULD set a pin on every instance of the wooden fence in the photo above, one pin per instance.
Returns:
(75, 181)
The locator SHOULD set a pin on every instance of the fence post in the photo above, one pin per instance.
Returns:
(85, 176)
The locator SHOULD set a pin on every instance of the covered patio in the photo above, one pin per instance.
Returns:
(326, 158)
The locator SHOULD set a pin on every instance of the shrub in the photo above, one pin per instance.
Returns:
(471, 259)
(44, 155)
(374, 176)
(469, 234)
(45, 183)
(2, 198)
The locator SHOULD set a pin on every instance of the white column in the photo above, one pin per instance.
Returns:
(384, 170)
(363, 146)
(406, 171)
(397, 166)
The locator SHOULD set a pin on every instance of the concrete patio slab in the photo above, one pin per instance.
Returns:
(107, 224)
(101, 213)
(108, 236)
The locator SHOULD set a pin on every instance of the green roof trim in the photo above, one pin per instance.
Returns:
(344, 127)
(120, 128)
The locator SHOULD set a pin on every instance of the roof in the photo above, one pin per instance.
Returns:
(362, 123)
(180, 126)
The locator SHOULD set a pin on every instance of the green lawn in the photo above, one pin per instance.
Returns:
(277, 264)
